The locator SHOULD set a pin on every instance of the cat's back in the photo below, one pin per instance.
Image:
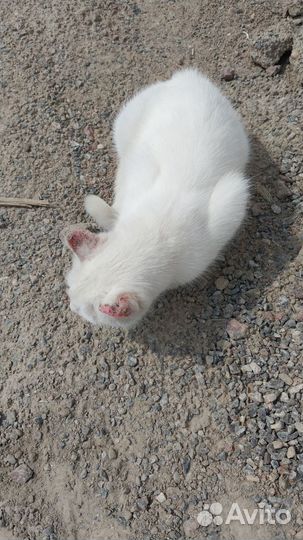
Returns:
(191, 123)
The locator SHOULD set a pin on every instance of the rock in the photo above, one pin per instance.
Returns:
(221, 283)
(291, 452)
(186, 463)
(252, 367)
(273, 70)
(22, 474)
(276, 209)
(270, 398)
(228, 74)
(112, 453)
(236, 330)
(299, 427)
(142, 503)
(127, 515)
(190, 527)
(282, 190)
(296, 57)
(11, 417)
(295, 389)
(161, 497)
(285, 378)
(268, 47)
(299, 535)
(293, 8)
(132, 361)
(200, 422)
(277, 445)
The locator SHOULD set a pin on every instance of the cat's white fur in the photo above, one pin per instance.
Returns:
(180, 196)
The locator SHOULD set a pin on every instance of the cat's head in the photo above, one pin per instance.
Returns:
(101, 287)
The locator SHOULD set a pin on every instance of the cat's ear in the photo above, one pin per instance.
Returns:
(81, 241)
(125, 305)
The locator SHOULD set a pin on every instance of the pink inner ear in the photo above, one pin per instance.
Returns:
(119, 310)
(82, 242)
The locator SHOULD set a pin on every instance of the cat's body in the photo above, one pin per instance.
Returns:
(180, 196)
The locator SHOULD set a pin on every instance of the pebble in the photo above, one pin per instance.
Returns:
(299, 427)
(142, 503)
(293, 8)
(270, 398)
(190, 528)
(268, 47)
(221, 283)
(228, 74)
(291, 452)
(11, 417)
(285, 378)
(22, 474)
(273, 70)
(161, 497)
(236, 330)
(132, 361)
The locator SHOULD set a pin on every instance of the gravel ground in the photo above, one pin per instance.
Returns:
(106, 435)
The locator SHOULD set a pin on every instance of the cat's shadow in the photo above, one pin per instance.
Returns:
(192, 320)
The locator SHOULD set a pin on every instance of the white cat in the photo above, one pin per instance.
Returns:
(180, 196)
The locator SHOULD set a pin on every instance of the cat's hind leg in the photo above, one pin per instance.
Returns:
(103, 214)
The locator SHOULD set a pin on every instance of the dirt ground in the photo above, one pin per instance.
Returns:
(107, 435)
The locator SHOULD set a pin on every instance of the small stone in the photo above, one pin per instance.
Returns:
(127, 515)
(252, 367)
(112, 453)
(236, 330)
(282, 190)
(103, 493)
(299, 427)
(11, 417)
(142, 503)
(22, 474)
(273, 70)
(228, 74)
(291, 452)
(276, 209)
(11, 459)
(285, 378)
(270, 398)
(296, 389)
(296, 57)
(190, 527)
(293, 8)
(161, 497)
(176, 477)
(221, 283)
(257, 397)
(186, 464)
(200, 422)
(277, 445)
(132, 361)
(268, 47)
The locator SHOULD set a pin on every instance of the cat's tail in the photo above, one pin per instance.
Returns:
(103, 214)
(227, 206)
